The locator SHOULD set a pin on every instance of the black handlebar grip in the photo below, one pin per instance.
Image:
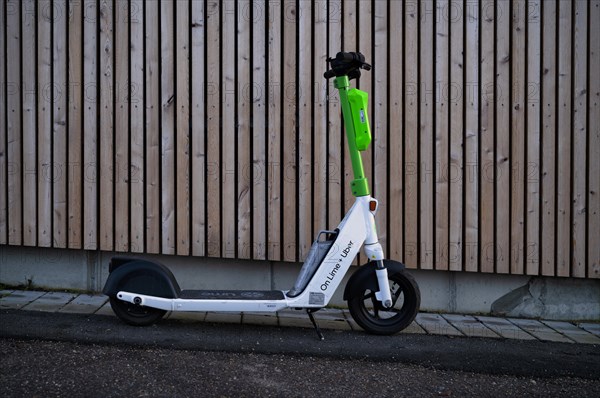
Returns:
(329, 74)
(343, 56)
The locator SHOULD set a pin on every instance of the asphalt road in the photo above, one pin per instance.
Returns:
(47, 354)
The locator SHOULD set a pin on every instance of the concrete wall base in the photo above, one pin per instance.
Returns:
(451, 292)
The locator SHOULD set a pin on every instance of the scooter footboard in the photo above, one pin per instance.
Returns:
(206, 304)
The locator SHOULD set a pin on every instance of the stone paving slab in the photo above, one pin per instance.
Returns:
(505, 328)
(19, 298)
(573, 332)
(333, 324)
(259, 319)
(105, 310)
(50, 302)
(291, 313)
(436, 324)
(414, 328)
(470, 326)
(539, 330)
(295, 322)
(85, 304)
(223, 317)
(331, 314)
(186, 316)
(351, 321)
(593, 328)
(327, 318)
(331, 318)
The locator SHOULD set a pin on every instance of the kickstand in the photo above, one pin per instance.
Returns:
(310, 311)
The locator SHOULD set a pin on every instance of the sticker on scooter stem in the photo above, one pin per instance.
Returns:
(316, 298)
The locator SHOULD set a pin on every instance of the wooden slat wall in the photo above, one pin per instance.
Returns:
(205, 128)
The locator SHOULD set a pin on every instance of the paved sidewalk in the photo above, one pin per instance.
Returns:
(336, 319)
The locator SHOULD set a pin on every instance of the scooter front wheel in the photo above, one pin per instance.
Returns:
(372, 316)
(136, 315)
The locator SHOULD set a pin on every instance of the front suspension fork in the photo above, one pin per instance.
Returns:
(374, 251)
(384, 294)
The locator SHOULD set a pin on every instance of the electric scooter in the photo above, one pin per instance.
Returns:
(382, 297)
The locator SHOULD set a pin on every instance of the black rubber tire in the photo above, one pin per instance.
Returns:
(374, 318)
(136, 315)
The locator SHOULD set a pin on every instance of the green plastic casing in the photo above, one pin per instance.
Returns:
(359, 185)
(359, 101)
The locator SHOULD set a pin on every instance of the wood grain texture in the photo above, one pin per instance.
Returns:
(205, 128)
(3, 135)
(29, 87)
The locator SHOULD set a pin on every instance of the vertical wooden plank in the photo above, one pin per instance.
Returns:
(579, 157)
(75, 91)
(167, 137)
(379, 121)
(593, 226)
(290, 192)
(106, 157)
(396, 150)
(319, 117)
(276, 106)
(121, 132)
(305, 161)
(533, 139)
(60, 173)
(29, 88)
(182, 101)
(365, 46)
(198, 86)
(152, 120)
(548, 137)
(455, 173)
(471, 96)
(14, 143)
(442, 135)
(213, 130)
(248, 145)
(411, 132)
(517, 138)
(257, 170)
(503, 161)
(3, 121)
(487, 159)
(136, 108)
(228, 162)
(90, 125)
(335, 133)
(425, 164)
(564, 143)
(349, 43)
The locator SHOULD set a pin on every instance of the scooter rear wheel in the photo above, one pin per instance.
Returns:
(136, 315)
(370, 314)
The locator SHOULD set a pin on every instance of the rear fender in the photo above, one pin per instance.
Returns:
(142, 277)
(366, 278)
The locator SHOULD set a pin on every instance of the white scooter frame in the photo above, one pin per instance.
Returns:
(356, 228)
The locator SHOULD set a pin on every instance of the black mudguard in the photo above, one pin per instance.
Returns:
(365, 278)
(140, 276)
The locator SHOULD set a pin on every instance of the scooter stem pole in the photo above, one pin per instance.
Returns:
(360, 185)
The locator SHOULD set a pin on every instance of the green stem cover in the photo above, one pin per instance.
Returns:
(360, 185)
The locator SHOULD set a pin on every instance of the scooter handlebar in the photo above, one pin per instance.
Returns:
(346, 64)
